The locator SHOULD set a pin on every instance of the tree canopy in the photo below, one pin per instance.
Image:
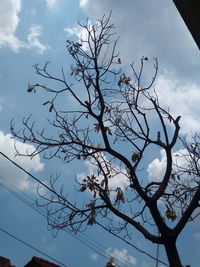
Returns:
(116, 123)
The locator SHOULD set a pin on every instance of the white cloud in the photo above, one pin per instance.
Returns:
(155, 29)
(121, 255)
(157, 167)
(51, 3)
(50, 248)
(183, 99)
(94, 256)
(11, 173)
(83, 3)
(33, 40)
(9, 20)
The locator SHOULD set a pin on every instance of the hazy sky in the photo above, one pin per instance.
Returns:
(35, 31)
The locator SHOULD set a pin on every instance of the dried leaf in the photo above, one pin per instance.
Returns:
(119, 196)
(97, 127)
(135, 156)
(90, 82)
(30, 89)
(91, 220)
(126, 80)
(170, 213)
(83, 188)
(173, 176)
(102, 182)
(45, 103)
(107, 109)
(93, 177)
(99, 146)
(120, 82)
(51, 107)
(169, 118)
(71, 216)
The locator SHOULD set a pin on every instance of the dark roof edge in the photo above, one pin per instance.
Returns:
(189, 11)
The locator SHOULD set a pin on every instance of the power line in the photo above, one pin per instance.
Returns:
(129, 243)
(47, 187)
(95, 246)
(30, 246)
(70, 204)
(135, 247)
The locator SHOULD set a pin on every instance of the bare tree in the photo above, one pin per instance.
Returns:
(116, 122)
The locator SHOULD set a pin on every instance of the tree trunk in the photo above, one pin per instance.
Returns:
(172, 253)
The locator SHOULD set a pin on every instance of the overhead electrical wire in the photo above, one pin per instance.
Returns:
(30, 246)
(87, 241)
(61, 197)
(47, 187)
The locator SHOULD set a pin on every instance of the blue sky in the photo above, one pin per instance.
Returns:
(35, 31)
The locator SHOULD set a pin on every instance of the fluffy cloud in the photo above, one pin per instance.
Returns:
(144, 38)
(183, 99)
(83, 3)
(155, 29)
(33, 40)
(11, 173)
(94, 256)
(76, 31)
(157, 167)
(51, 3)
(121, 256)
(9, 20)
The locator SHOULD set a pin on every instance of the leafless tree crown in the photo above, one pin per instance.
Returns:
(111, 125)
